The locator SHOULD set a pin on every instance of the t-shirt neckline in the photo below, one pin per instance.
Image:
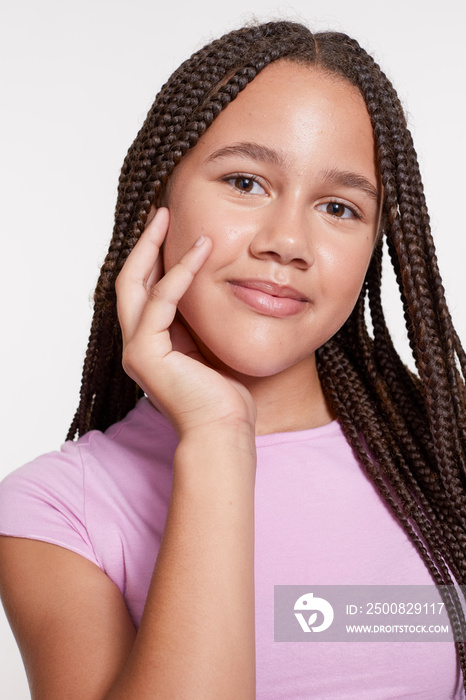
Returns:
(327, 430)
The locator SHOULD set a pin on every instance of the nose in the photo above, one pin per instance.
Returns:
(284, 236)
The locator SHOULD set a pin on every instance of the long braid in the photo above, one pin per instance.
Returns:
(440, 391)
(407, 431)
(348, 397)
(422, 300)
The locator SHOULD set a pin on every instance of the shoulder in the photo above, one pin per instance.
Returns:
(60, 496)
(141, 434)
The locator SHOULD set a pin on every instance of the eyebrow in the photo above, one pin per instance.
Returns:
(348, 179)
(248, 149)
(264, 154)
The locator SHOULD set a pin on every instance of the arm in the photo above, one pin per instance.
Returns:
(69, 619)
(196, 638)
(197, 633)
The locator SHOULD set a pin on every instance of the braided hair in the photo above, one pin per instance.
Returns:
(408, 430)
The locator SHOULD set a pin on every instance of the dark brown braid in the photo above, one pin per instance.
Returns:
(407, 430)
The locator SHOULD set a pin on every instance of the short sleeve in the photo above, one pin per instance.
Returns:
(44, 500)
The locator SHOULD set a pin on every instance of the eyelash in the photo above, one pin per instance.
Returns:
(354, 213)
(231, 179)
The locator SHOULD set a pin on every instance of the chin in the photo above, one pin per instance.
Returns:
(251, 356)
(253, 363)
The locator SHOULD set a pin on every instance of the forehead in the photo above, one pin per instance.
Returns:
(286, 90)
(304, 113)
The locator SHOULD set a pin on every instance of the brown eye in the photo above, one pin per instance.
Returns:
(336, 209)
(244, 183)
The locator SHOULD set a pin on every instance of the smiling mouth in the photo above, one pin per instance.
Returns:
(269, 298)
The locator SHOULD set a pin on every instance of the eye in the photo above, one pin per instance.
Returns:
(245, 184)
(338, 210)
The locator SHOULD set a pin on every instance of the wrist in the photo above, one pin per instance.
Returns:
(216, 456)
(237, 434)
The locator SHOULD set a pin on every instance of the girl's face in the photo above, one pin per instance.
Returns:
(285, 184)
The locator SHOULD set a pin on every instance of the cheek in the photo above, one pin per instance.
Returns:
(230, 236)
(185, 220)
(181, 236)
(346, 273)
(171, 249)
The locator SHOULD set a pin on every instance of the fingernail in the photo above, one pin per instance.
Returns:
(199, 241)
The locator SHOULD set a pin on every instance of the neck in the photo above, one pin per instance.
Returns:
(288, 401)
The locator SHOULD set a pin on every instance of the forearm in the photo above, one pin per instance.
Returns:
(196, 638)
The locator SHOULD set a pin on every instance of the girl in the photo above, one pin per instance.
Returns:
(256, 433)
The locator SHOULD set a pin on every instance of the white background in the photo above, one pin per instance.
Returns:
(77, 79)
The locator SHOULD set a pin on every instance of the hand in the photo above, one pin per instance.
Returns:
(159, 353)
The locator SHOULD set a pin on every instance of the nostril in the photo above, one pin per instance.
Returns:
(270, 244)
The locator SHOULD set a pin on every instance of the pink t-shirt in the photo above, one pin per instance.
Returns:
(318, 520)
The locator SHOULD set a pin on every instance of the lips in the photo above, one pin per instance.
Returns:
(269, 298)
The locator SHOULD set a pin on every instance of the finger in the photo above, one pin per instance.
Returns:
(142, 269)
(140, 261)
(163, 299)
